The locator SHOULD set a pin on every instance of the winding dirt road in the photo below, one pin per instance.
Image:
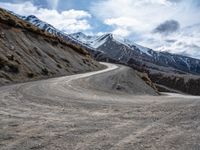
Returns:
(70, 113)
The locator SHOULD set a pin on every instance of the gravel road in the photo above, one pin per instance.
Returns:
(70, 113)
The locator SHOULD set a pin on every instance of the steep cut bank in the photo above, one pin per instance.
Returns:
(122, 80)
(29, 53)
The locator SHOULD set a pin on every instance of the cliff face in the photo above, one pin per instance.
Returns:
(28, 53)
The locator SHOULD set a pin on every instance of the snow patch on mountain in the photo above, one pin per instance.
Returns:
(41, 24)
(121, 49)
(131, 44)
(93, 41)
(97, 41)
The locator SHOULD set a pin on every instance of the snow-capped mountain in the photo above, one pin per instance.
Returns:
(131, 53)
(123, 51)
(50, 29)
(44, 26)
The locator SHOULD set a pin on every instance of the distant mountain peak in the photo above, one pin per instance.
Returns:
(79, 35)
(43, 25)
(32, 16)
(36, 21)
(109, 35)
(106, 36)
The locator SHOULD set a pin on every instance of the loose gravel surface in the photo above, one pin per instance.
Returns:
(64, 113)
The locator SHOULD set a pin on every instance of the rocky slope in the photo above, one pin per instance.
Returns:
(120, 80)
(29, 53)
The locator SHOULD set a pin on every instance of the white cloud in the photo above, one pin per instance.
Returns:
(69, 21)
(141, 15)
(123, 25)
(186, 41)
(136, 19)
(121, 32)
(131, 17)
(145, 15)
(151, 12)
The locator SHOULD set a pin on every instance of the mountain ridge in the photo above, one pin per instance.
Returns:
(156, 64)
(95, 42)
(182, 63)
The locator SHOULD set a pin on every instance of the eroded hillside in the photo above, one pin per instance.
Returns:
(28, 53)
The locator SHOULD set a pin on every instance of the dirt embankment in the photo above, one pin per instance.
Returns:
(28, 53)
(121, 80)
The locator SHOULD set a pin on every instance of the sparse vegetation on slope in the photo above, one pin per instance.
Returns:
(16, 22)
(28, 53)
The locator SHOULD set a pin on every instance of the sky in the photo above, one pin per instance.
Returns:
(163, 25)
